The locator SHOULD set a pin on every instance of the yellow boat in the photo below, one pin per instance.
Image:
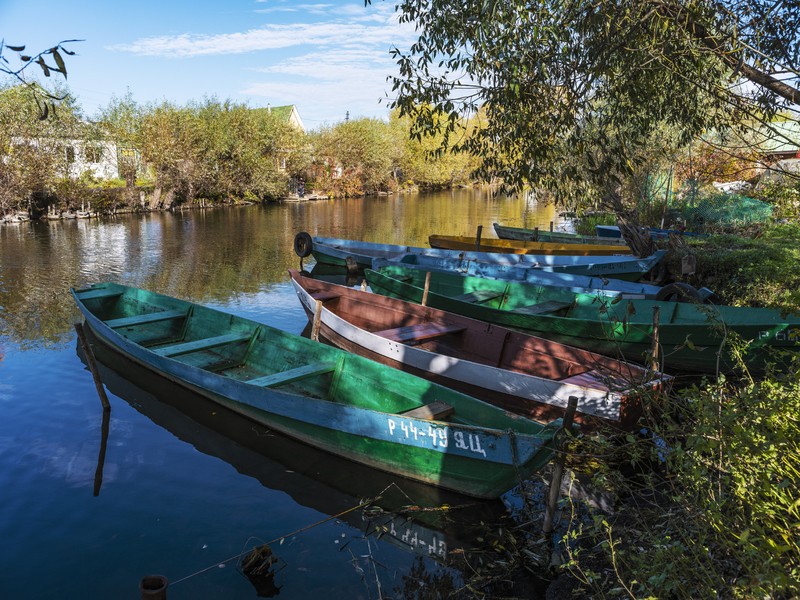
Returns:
(462, 242)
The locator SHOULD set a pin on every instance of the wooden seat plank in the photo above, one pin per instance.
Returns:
(418, 332)
(203, 344)
(153, 317)
(293, 375)
(541, 307)
(478, 296)
(435, 411)
(95, 294)
(323, 296)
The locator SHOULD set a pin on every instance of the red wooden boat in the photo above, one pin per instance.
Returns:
(522, 373)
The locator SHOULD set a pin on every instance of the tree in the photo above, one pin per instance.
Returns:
(35, 154)
(422, 161)
(592, 78)
(354, 158)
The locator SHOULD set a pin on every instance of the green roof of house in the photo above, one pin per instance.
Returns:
(779, 136)
(282, 112)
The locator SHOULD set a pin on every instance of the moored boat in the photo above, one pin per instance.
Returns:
(528, 375)
(480, 244)
(345, 404)
(342, 252)
(582, 284)
(505, 232)
(613, 232)
(691, 337)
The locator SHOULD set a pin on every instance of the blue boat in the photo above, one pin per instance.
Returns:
(343, 252)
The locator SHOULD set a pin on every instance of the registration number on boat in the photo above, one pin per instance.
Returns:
(438, 437)
(789, 334)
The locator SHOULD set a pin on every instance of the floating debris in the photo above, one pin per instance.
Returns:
(257, 566)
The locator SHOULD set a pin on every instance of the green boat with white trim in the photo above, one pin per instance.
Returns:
(328, 398)
(692, 337)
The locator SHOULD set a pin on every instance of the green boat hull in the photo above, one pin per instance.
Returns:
(691, 337)
(323, 396)
(521, 234)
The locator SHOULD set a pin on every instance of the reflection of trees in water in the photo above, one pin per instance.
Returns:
(203, 255)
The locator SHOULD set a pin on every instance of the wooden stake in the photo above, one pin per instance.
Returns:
(101, 457)
(478, 238)
(427, 287)
(654, 351)
(551, 227)
(536, 234)
(558, 467)
(87, 352)
(153, 587)
(316, 323)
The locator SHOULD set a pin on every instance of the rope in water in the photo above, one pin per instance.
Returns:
(277, 539)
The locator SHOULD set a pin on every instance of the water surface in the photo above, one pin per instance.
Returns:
(182, 487)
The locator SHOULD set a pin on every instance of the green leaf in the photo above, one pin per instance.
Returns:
(59, 61)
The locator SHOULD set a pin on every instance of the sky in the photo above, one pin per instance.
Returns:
(330, 58)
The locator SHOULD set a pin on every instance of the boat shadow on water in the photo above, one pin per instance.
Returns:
(430, 522)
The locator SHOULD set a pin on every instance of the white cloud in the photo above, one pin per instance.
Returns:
(349, 27)
(326, 58)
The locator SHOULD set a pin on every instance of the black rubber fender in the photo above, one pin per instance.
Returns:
(303, 244)
(679, 292)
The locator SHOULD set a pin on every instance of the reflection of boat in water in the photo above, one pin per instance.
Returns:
(407, 514)
(337, 274)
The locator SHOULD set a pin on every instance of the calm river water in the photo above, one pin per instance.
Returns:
(169, 485)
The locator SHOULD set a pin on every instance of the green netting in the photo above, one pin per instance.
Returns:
(725, 209)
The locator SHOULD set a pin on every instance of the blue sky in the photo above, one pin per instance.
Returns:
(327, 58)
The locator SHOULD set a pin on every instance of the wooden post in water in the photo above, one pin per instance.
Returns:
(536, 234)
(558, 467)
(551, 227)
(316, 322)
(101, 457)
(87, 352)
(654, 351)
(153, 587)
(427, 287)
(351, 264)
(478, 238)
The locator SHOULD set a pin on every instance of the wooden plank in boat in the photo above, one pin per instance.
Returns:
(418, 332)
(94, 294)
(541, 307)
(325, 295)
(153, 317)
(293, 375)
(590, 379)
(435, 411)
(203, 344)
(478, 296)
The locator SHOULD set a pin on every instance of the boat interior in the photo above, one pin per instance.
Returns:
(258, 355)
(444, 333)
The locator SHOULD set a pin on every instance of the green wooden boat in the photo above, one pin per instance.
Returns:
(505, 232)
(692, 337)
(326, 397)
